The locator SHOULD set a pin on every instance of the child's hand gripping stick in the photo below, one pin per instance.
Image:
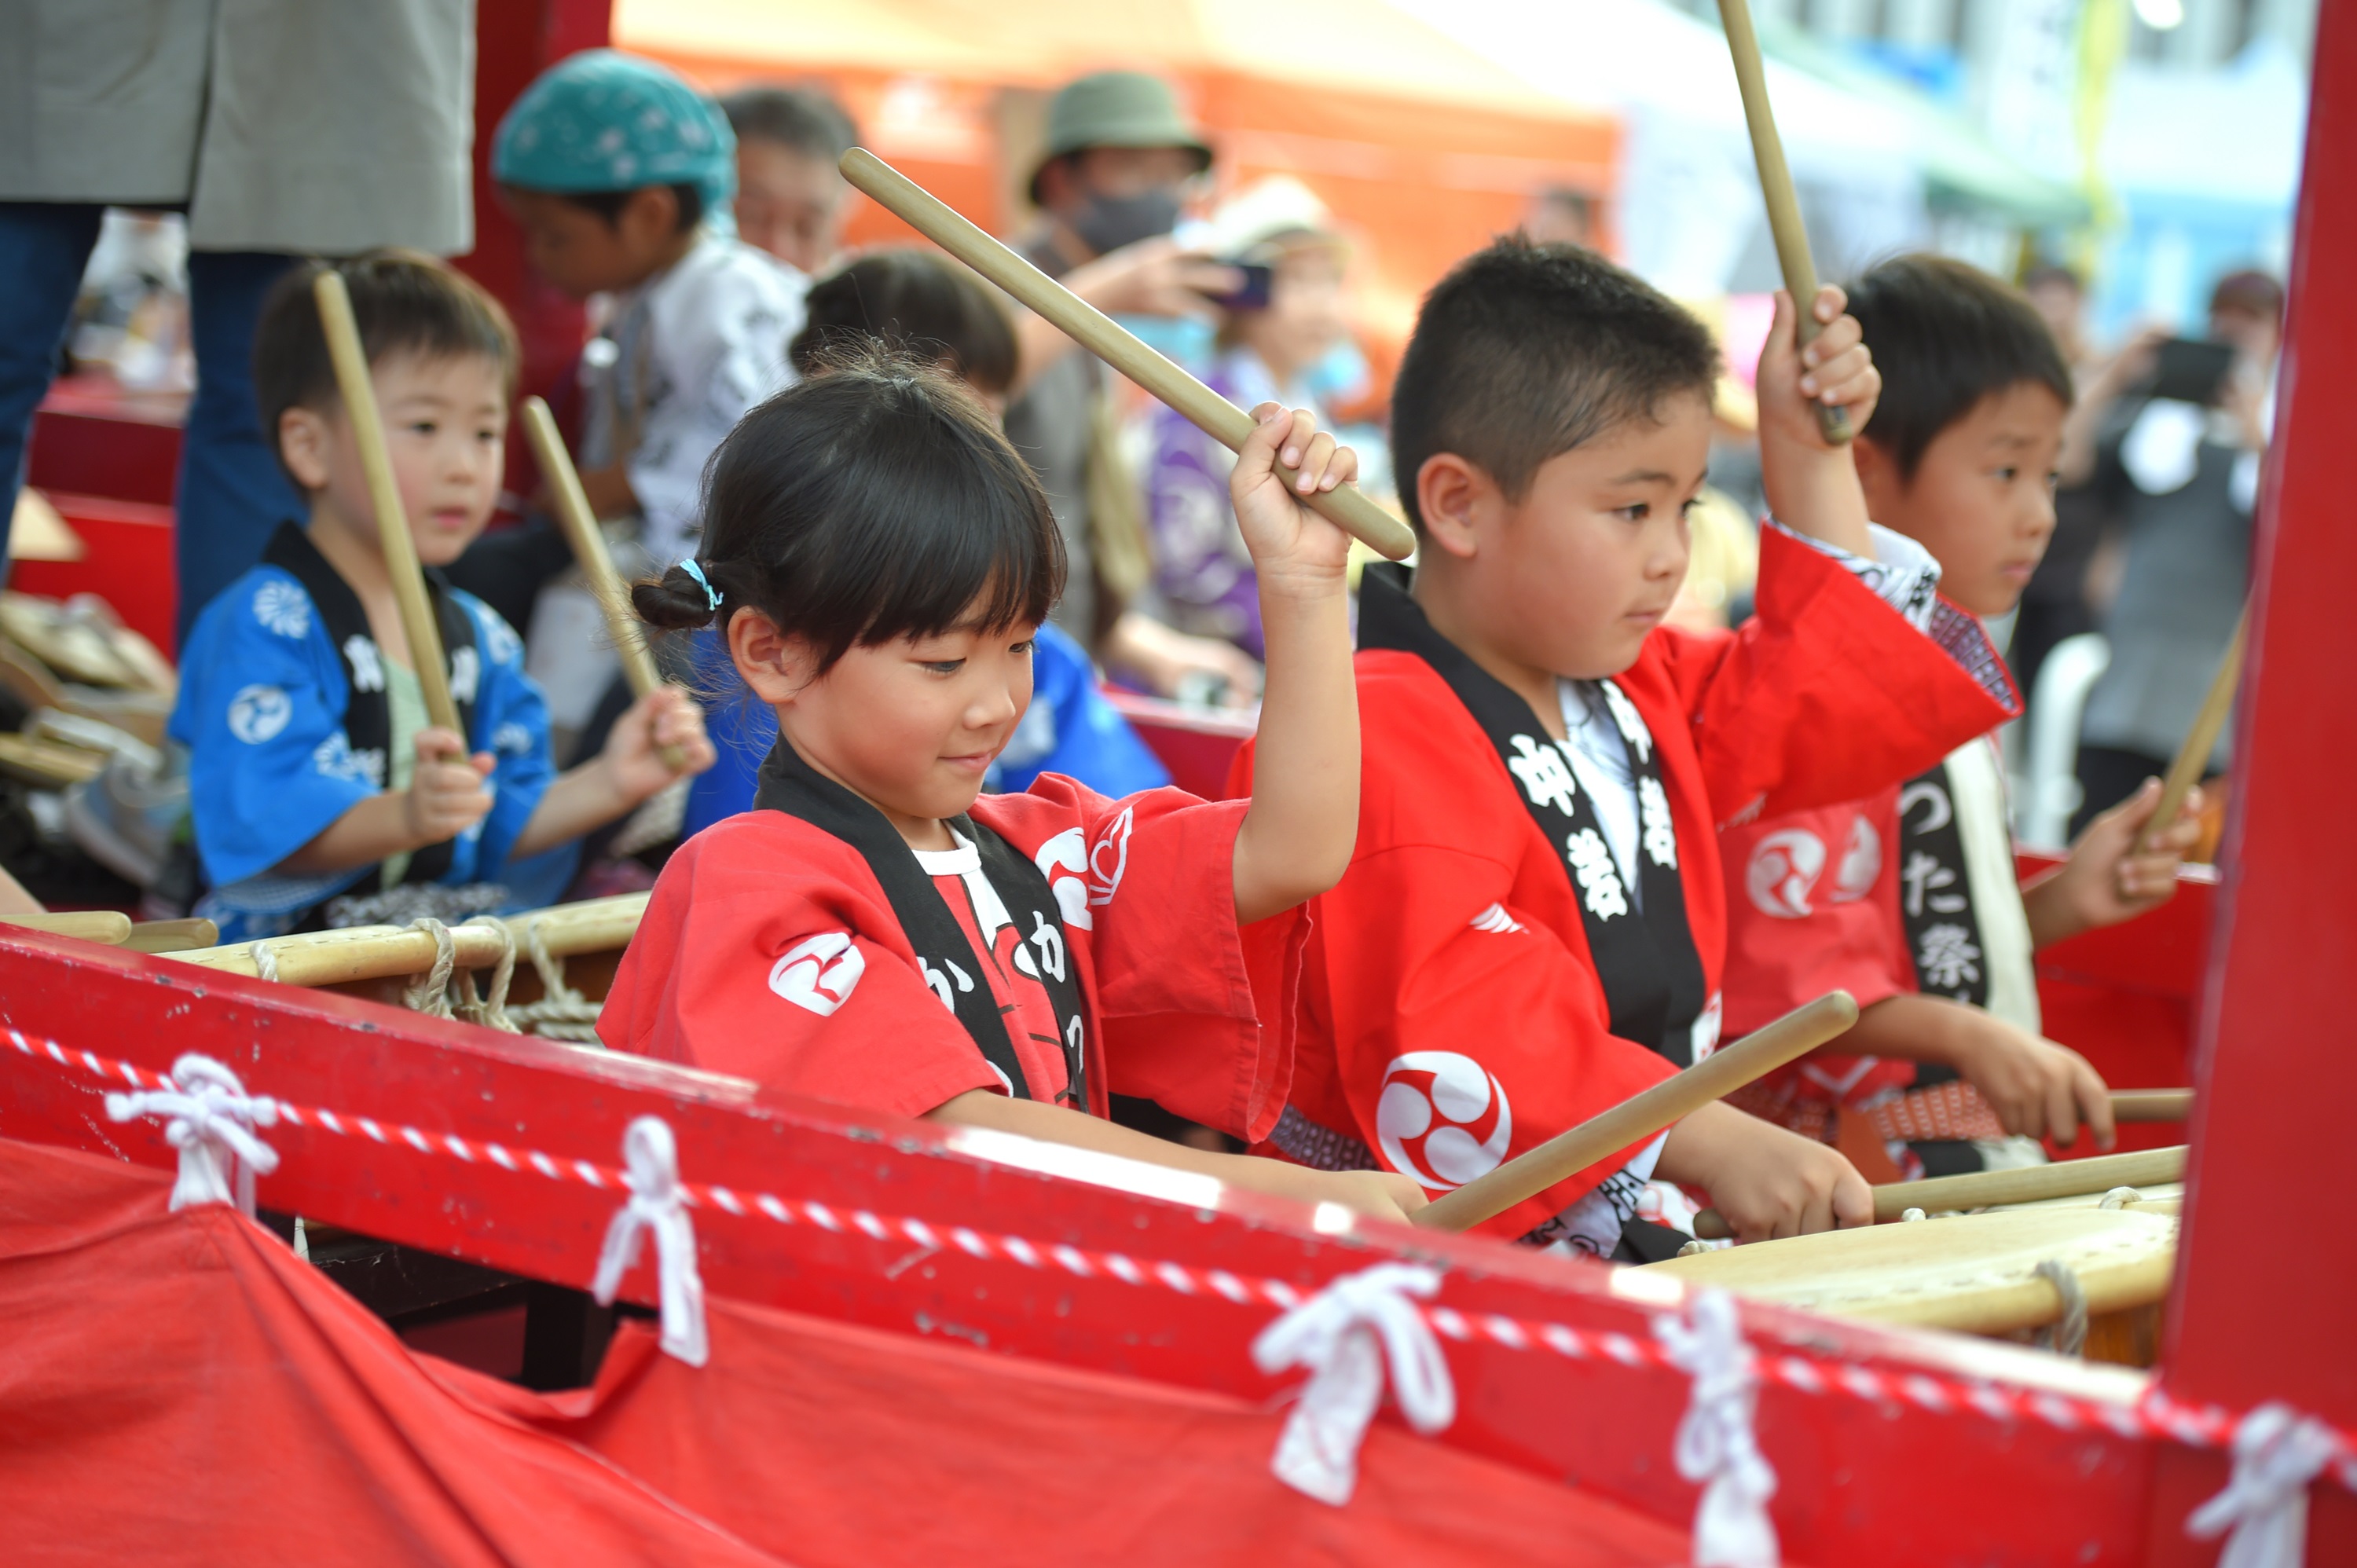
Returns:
(1776, 186)
(1634, 1120)
(359, 393)
(1094, 330)
(589, 541)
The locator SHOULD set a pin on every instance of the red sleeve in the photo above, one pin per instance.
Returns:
(1446, 993)
(769, 951)
(1828, 693)
(1146, 884)
(1811, 907)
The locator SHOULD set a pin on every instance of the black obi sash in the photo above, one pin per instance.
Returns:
(1645, 957)
(368, 716)
(950, 964)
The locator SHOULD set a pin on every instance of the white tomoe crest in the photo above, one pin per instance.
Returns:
(258, 712)
(1442, 1117)
(1109, 858)
(335, 758)
(1064, 860)
(1496, 921)
(1546, 776)
(1630, 723)
(282, 607)
(1599, 881)
(1653, 811)
(1861, 863)
(1784, 870)
(465, 673)
(819, 973)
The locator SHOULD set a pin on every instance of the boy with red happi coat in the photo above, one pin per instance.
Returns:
(1907, 900)
(1532, 925)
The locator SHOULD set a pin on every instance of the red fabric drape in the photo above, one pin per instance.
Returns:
(179, 1387)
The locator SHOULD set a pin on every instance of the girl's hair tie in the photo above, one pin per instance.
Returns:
(711, 594)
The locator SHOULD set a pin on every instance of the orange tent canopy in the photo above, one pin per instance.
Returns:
(1422, 147)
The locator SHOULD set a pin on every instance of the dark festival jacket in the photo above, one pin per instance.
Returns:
(1453, 1014)
(800, 945)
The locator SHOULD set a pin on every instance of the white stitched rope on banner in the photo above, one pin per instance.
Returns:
(430, 993)
(490, 1011)
(211, 1124)
(1715, 1447)
(1345, 1334)
(650, 1170)
(266, 963)
(2277, 1452)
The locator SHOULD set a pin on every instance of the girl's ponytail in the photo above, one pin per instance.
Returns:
(682, 599)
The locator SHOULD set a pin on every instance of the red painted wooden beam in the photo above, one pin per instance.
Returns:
(1888, 1475)
(2265, 1277)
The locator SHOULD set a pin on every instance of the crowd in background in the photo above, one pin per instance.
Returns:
(737, 277)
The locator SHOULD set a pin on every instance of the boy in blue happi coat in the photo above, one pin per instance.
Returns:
(321, 794)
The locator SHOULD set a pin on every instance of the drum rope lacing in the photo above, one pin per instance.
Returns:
(446, 989)
(2154, 1415)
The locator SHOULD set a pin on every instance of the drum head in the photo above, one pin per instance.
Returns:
(1972, 1272)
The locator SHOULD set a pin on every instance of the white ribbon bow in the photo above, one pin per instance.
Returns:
(1715, 1447)
(2277, 1452)
(212, 1123)
(1335, 1333)
(651, 1162)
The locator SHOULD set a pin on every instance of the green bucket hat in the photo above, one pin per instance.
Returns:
(1117, 109)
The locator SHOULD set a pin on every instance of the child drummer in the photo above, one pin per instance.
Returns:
(1907, 900)
(1531, 927)
(878, 932)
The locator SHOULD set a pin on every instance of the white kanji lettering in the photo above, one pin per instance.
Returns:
(368, 669)
(1546, 776)
(1947, 958)
(1632, 723)
(1660, 834)
(940, 983)
(1599, 883)
(1923, 876)
(1050, 943)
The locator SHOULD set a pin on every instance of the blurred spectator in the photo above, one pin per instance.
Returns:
(1272, 333)
(791, 197)
(1120, 164)
(1560, 216)
(2184, 480)
(283, 131)
(921, 302)
(2057, 603)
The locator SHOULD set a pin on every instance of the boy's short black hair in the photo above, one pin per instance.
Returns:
(876, 501)
(1945, 335)
(405, 302)
(609, 204)
(919, 302)
(1525, 352)
(803, 118)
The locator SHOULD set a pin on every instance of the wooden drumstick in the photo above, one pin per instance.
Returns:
(417, 623)
(1641, 1116)
(110, 928)
(1784, 223)
(589, 541)
(1343, 505)
(1982, 1190)
(2151, 1104)
(2192, 758)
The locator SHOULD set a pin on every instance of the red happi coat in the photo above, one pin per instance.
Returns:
(1812, 905)
(1454, 947)
(770, 950)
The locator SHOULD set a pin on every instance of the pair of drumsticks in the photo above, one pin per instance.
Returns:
(572, 515)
